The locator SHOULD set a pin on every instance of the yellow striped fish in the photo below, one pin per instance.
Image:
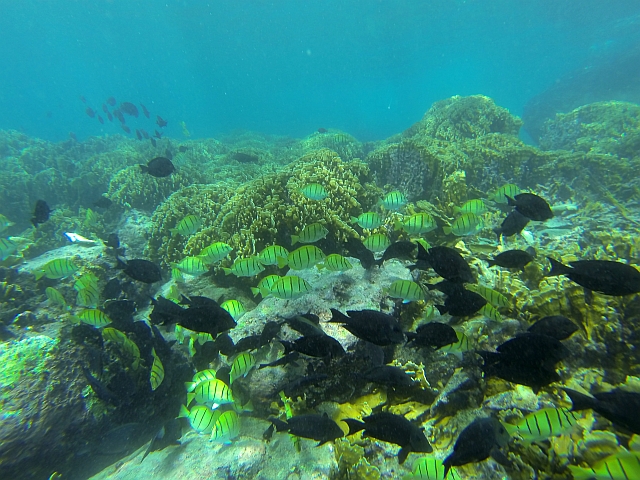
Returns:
(476, 206)
(201, 376)
(214, 392)
(215, 252)
(465, 224)
(126, 345)
(394, 200)
(290, 287)
(270, 255)
(88, 297)
(226, 428)
(407, 290)
(378, 242)
(303, 257)
(88, 280)
(458, 348)
(95, 317)
(544, 424)
(192, 266)
(7, 248)
(5, 223)
(157, 371)
(245, 267)
(490, 312)
(314, 191)
(201, 418)
(368, 220)
(187, 226)
(508, 190)
(417, 224)
(176, 275)
(492, 296)
(55, 269)
(90, 218)
(199, 337)
(234, 307)
(624, 465)
(310, 234)
(264, 286)
(56, 298)
(335, 263)
(241, 366)
(430, 468)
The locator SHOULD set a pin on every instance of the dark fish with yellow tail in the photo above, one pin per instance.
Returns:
(618, 406)
(392, 428)
(603, 276)
(432, 335)
(402, 250)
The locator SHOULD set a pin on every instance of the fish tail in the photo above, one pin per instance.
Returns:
(580, 400)
(39, 274)
(227, 271)
(557, 268)
(490, 262)
(442, 309)
(184, 413)
(447, 230)
(294, 239)
(279, 424)
(144, 168)
(338, 317)
(531, 251)
(498, 232)
(354, 425)
(510, 201)
(403, 454)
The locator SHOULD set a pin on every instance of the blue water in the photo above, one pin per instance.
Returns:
(368, 67)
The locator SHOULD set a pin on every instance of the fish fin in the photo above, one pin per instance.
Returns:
(184, 413)
(190, 386)
(255, 291)
(354, 425)
(442, 309)
(447, 230)
(580, 401)
(403, 454)
(190, 397)
(320, 266)
(510, 201)
(144, 168)
(227, 271)
(282, 262)
(338, 317)
(557, 268)
(280, 425)
(397, 225)
(39, 274)
(294, 239)
(490, 262)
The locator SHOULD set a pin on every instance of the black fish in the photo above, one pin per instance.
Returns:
(100, 119)
(307, 324)
(556, 326)
(322, 130)
(370, 325)
(393, 429)
(40, 213)
(531, 206)
(282, 361)
(402, 250)
(129, 108)
(313, 425)
(112, 289)
(389, 376)
(205, 315)
(183, 148)
(509, 369)
(158, 167)
(514, 223)
(153, 141)
(432, 334)
(250, 342)
(298, 386)
(101, 391)
(513, 258)
(447, 262)
(157, 134)
(119, 116)
(111, 101)
(113, 241)
(245, 157)
(602, 276)
(462, 303)
(90, 112)
(619, 407)
(138, 134)
(161, 123)
(477, 442)
(125, 128)
(355, 248)
(141, 270)
(144, 110)
(534, 348)
(316, 346)
(168, 154)
(104, 108)
(168, 435)
(121, 313)
(144, 133)
(109, 116)
(102, 202)
(269, 332)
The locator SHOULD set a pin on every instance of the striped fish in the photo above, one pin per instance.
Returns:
(7, 248)
(270, 255)
(490, 312)
(492, 296)
(55, 297)
(192, 266)
(378, 242)
(234, 307)
(465, 224)
(264, 286)
(187, 226)
(417, 224)
(88, 297)
(430, 468)
(95, 317)
(624, 465)
(201, 376)
(201, 338)
(214, 392)
(544, 424)
(241, 366)
(176, 275)
(314, 191)
(157, 371)
(245, 267)
(290, 287)
(508, 190)
(310, 234)
(90, 218)
(394, 200)
(88, 280)
(5, 223)
(368, 220)
(201, 418)
(407, 290)
(476, 206)
(226, 428)
(303, 257)
(458, 348)
(126, 345)
(335, 263)
(55, 269)
(215, 252)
